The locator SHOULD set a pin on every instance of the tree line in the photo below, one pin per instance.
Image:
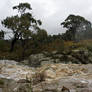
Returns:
(28, 33)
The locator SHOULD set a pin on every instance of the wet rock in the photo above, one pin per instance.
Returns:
(47, 78)
(25, 62)
(84, 90)
(54, 52)
(78, 56)
(64, 89)
(34, 60)
(1, 90)
(23, 87)
(39, 59)
(49, 74)
(58, 56)
(57, 61)
(7, 85)
(38, 78)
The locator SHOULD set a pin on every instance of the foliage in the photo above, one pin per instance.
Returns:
(55, 45)
(77, 28)
(40, 37)
(22, 7)
(21, 24)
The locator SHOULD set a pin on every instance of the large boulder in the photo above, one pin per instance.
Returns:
(39, 59)
(35, 60)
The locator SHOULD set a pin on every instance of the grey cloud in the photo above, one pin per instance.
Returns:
(51, 12)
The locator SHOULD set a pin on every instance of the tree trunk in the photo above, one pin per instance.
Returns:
(12, 44)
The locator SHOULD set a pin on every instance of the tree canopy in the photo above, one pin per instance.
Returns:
(75, 24)
(23, 24)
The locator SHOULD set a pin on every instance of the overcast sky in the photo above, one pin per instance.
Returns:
(51, 12)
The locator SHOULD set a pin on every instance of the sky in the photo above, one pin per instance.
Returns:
(50, 12)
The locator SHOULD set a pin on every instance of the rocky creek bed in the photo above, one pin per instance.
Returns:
(15, 77)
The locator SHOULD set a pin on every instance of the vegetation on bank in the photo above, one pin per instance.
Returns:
(56, 45)
(29, 38)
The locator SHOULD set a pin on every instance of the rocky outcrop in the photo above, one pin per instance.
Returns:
(77, 56)
(10, 85)
(40, 59)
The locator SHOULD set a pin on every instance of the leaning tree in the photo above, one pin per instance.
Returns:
(23, 24)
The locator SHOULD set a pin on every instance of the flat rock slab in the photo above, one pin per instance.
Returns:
(73, 84)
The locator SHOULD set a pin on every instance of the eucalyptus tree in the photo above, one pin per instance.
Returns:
(2, 35)
(23, 24)
(76, 24)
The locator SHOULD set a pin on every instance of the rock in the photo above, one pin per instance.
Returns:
(78, 56)
(63, 85)
(38, 78)
(57, 61)
(58, 56)
(14, 86)
(39, 59)
(90, 59)
(7, 85)
(23, 81)
(64, 89)
(49, 74)
(23, 87)
(82, 56)
(25, 62)
(47, 62)
(84, 90)
(34, 60)
(47, 78)
(54, 52)
(1, 90)
(75, 51)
